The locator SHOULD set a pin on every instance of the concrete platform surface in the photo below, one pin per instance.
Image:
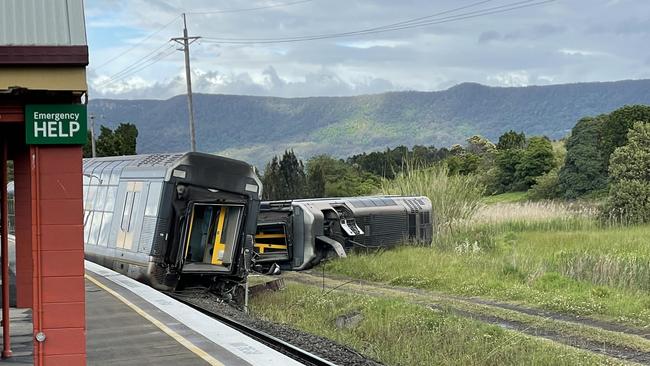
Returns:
(129, 323)
(21, 337)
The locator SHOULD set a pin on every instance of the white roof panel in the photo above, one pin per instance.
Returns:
(42, 22)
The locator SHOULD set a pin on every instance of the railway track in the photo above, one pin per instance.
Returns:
(298, 354)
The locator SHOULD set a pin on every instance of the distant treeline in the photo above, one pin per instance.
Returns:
(602, 157)
(513, 164)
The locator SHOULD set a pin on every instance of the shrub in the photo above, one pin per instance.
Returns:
(536, 160)
(547, 187)
(629, 169)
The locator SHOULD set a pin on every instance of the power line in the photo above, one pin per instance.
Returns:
(412, 23)
(433, 15)
(432, 19)
(138, 62)
(151, 61)
(280, 5)
(136, 45)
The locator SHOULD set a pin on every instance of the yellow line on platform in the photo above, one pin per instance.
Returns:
(180, 339)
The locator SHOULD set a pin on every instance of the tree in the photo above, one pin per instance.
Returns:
(126, 136)
(271, 180)
(292, 172)
(629, 169)
(546, 186)
(536, 160)
(618, 123)
(509, 154)
(479, 145)
(386, 163)
(87, 148)
(584, 168)
(511, 140)
(122, 141)
(284, 178)
(105, 144)
(506, 176)
(330, 177)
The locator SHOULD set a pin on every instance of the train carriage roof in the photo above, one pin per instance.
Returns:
(207, 170)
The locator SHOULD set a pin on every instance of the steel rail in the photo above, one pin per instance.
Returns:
(265, 338)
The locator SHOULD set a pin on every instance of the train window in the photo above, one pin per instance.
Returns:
(106, 173)
(136, 204)
(115, 175)
(86, 183)
(94, 229)
(153, 199)
(87, 222)
(90, 197)
(100, 200)
(129, 216)
(105, 229)
(111, 194)
(126, 213)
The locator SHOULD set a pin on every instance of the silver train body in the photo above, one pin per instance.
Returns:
(164, 219)
(299, 234)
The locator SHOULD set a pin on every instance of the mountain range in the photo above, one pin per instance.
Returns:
(254, 128)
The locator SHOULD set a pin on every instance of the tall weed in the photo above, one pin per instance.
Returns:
(455, 198)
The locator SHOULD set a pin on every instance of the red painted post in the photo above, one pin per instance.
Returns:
(37, 302)
(60, 293)
(6, 335)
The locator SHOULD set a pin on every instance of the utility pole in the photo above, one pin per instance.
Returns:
(185, 42)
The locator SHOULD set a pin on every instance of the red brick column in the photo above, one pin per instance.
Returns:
(58, 252)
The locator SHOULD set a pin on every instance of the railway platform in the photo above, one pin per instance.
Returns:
(129, 323)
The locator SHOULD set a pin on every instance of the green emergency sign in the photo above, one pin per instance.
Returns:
(56, 124)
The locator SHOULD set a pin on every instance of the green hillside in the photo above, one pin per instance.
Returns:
(255, 128)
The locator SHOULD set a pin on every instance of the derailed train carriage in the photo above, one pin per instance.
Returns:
(169, 219)
(299, 234)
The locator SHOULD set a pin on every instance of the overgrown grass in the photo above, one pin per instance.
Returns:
(454, 198)
(553, 257)
(509, 197)
(398, 333)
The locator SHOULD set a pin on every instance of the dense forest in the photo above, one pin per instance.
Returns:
(254, 128)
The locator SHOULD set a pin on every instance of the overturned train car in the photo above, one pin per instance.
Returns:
(167, 219)
(299, 234)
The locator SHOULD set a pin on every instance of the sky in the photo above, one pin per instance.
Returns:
(555, 42)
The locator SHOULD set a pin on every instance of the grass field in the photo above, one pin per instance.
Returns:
(533, 268)
(509, 197)
(544, 255)
(398, 333)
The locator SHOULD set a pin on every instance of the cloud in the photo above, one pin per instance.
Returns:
(584, 53)
(269, 83)
(559, 42)
(488, 36)
(512, 78)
